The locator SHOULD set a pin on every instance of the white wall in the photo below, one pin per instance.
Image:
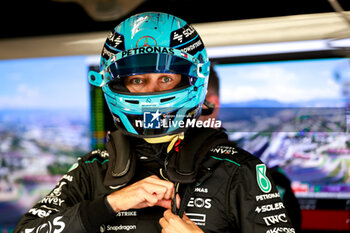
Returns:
(239, 32)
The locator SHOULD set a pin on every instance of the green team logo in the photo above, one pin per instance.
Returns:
(74, 166)
(263, 182)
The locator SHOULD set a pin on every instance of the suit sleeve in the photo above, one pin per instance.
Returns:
(255, 204)
(67, 208)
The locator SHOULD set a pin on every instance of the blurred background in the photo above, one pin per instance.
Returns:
(283, 69)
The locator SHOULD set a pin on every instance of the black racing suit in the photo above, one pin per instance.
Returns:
(232, 193)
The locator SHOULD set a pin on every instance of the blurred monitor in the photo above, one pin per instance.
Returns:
(44, 127)
(288, 106)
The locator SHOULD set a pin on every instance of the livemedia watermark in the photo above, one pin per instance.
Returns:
(157, 120)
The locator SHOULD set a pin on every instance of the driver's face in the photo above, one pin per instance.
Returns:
(152, 82)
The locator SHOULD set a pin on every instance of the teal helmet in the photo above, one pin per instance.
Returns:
(153, 42)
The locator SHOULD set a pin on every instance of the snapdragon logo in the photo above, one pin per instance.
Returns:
(156, 120)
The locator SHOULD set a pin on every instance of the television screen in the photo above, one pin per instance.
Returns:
(44, 127)
(297, 120)
(292, 114)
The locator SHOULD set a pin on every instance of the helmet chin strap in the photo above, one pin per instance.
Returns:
(168, 138)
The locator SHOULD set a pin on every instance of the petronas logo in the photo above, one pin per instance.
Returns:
(263, 182)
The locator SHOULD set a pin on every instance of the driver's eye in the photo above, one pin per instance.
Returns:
(136, 81)
(166, 79)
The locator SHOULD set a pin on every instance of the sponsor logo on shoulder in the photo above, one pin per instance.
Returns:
(39, 212)
(269, 207)
(263, 182)
(52, 200)
(271, 220)
(53, 197)
(267, 196)
(102, 153)
(281, 230)
(227, 150)
(57, 191)
(67, 177)
(201, 190)
(74, 166)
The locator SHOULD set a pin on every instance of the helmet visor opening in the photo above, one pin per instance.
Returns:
(119, 85)
(151, 63)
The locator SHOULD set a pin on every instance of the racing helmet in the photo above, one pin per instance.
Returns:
(153, 42)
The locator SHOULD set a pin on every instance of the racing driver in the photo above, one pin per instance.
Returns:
(162, 170)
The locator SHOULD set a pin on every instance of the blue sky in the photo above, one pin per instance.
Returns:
(284, 81)
(44, 83)
(61, 82)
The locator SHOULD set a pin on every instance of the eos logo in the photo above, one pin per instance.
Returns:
(199, 203)
(56, 226)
